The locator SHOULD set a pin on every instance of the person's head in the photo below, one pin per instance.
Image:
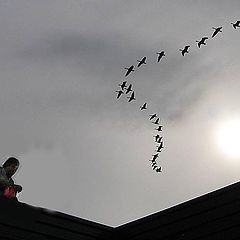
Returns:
(11, 165)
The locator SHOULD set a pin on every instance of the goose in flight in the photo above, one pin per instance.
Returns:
(153, 161)
(120, 92)
(129, 89)
(156, 137)
(155, 156)
(217, 30)
(159, 128)
(152, 116)
(154, 167)
(185, 50)
(144, 106)
(159, 140)
(202, 41)
(236, 24)
(160, 147)
(157, 121)
(131, 98)
(123, 85)
(153, 164)
(141, 62)
(129, 70)
(160, 55)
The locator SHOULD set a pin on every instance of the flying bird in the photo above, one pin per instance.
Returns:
(236, 24)
(157, 121)
(144, 106)
(131, 98)
(154, 167)
(185, 50)
(160, 147)
(152, 116)
(143, 61)
(202, 41)
(159, 128)
(129, 89)
(155, 156)
(153, 161)
(153, 164)
(123, 85)
(217, 30)
(159, 140)
(159, 169)
(156, 137)
(120, 92)
(160, 55)
(129, 70)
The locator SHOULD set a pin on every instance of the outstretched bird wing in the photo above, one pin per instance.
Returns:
(129, 89)
(129, 70)
(120, 92)
(152, 116)
(131, 97)
(143, 61)
(123, 85)
(216, 31)
(144, 106)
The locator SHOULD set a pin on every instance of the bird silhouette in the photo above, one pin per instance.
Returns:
(159, 128)
(141, 62)
(153, 164)
(129, 89)
(159, 169)
(217, 30)
(152, 160)
(202, 41)
(123, 85)
(159, 140)
(236, 24)
(185, 50)
(120, 92)
(129, 70)
(144, 106)
(160, 147)
(131, 98)
(156, 137)
(160, 55)
(157, 121)
(152, 116)
(155, 156)
(154, 167)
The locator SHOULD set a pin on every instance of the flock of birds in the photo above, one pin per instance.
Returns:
(127, 89)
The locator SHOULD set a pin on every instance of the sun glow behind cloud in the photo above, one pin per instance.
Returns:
(227, 138)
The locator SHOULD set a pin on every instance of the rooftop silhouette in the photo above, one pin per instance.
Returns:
(212, 216)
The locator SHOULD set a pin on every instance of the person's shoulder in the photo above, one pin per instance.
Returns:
(2, 171)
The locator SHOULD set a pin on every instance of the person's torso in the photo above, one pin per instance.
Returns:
(4, 176)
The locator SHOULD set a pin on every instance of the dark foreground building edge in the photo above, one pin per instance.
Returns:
(215, 215)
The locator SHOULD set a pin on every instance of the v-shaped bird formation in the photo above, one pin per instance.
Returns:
(154, 119)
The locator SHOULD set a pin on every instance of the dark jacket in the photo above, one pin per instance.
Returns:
(4, 180)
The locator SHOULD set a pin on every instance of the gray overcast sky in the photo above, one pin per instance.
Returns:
(82, 151)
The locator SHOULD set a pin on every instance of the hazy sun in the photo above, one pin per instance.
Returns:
(228, 138)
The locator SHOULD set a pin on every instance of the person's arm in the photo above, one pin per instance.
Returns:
(4, 182)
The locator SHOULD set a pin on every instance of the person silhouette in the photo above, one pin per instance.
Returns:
(8, 189)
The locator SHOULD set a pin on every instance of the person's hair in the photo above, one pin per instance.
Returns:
(10, 161)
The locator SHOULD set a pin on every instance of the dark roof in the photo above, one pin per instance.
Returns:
(22, 221)
(215, 215)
